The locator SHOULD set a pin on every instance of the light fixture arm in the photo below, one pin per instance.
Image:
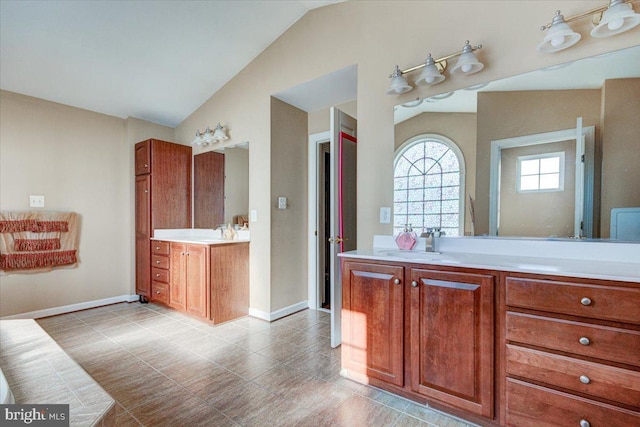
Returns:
(584, 14)
(441, 63)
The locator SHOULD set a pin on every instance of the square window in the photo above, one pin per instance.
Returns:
(540, 173)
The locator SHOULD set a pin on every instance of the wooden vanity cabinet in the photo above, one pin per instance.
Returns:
(162, 198)
(451, 322)
(571, 352)
(190, 278)
(425, 331)
(160, 271)
(373, 322)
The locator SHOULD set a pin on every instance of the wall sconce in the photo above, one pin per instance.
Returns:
(432, 73)
(210, 136)
(615, 18)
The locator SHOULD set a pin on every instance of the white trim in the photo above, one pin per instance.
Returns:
(278, 314)
(53, 311)
(312, 221)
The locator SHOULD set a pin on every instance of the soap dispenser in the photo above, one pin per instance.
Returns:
(407, 238)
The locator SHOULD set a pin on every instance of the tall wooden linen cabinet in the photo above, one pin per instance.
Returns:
(162, 199)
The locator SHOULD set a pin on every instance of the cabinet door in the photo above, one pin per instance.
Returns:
(372, 321)
(197, 283)
(143, 234)
(452, 338)
(177, 290)
(143, 157)
(208, 190)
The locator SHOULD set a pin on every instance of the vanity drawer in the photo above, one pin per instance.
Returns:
(530, 405)
(595, 379)
(602, 342)
(160, 275)
(160, 261)
(160, 292)
(615, 303)
(160, 248)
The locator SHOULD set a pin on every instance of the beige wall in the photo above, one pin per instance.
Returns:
(461, 129)
(545, 214)
(510, 114)
(319, 120)
(375, 37)
(289, 133)
(620, 148)
(79, 161)
(236, 183)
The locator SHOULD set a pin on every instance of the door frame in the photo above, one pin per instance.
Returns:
(312, 258)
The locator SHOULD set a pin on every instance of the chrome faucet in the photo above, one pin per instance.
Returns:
(432, 233)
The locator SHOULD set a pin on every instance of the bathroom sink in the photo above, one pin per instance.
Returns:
(414, 255)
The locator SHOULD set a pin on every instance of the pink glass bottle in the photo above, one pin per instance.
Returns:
(407, 238)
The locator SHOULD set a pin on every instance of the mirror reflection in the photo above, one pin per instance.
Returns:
(221, 187)
(565, 189)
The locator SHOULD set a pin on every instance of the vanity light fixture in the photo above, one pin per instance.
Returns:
(615, 18)
(432, 73)
(210, 136)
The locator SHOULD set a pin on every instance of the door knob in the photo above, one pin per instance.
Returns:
(336, 239)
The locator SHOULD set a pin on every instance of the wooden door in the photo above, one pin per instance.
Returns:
(451, 342)
(143, 234)
(208, 190)
(197, 283)
(343, 207)
(178, 288)
(143, 157)
(373, 321)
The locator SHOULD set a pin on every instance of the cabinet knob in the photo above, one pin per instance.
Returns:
(584, 379)
(414, 284)
(585, 423)
(584, 341)
(157, 248)
(157, 261)
(157, 274)
(146, 165)
(585, 301)
(146, 191)
(157, 292)
(397, 281)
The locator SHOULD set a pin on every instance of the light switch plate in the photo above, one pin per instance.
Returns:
(253, 215)
(385, 215)
(36, 201)
(282, 202)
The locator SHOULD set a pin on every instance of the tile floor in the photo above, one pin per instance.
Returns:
(164, 368)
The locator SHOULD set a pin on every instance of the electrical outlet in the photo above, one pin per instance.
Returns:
(36, 201)
(385, 215)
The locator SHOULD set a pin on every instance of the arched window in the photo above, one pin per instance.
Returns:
(428, 188)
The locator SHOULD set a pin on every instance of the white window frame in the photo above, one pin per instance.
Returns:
(560, 187)
(461, 163)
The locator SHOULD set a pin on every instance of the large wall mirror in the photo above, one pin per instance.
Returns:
(221, 187)
(552, 153)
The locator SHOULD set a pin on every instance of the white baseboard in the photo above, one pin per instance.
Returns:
(275, 315)
(72, 307)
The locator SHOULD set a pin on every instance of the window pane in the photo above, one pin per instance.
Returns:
(550, 181)
(451, 206)
(399, 208)
(400, 196)
(416, 182)
(432, 207)
(432, 193)
(415, 195)
(449, 162)
(450, 193)
(434, 180)
(550, 165)
(415, 208)
(529, 182)
(529, 167)
(434, 149)
(402, 168)
(450, 220)
(400, 183)
(432, 221)
(452, 178)
(414, 153)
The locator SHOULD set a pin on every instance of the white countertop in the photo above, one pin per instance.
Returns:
(200, 236)
(627, 270)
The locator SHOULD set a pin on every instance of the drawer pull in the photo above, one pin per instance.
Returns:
(157, 261)
(585, 423)
(584, 341)
(397, 281)
(157, 248)
(584, 379)
(158, 292)
(157, 274)
(585, 301)
(414, 284)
